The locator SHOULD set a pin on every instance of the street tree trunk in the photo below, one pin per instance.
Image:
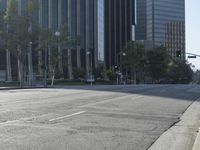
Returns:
(20, 65)
(78, 57)
(60, 62)
(20, 71)
(50, 61)
(40, 72)
(30, 66)
(8, 67)
(53, 76)
(69, 62)
(134, 75)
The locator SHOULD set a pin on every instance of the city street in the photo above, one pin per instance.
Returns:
(91, 118)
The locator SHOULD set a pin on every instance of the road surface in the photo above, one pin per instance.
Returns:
(91, 118)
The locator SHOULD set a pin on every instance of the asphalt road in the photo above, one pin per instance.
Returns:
(91, 118)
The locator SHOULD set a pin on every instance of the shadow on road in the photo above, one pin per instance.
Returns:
(182, 92)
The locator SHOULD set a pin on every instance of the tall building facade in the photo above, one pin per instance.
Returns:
(119, 26)
(85, 19)
(175, 38)
(164, 20)
(3, 4)
(103, 27)
(141, 30)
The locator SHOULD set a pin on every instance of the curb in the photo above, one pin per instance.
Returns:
(9, 88)
(18, 88)
(197, 142)
(182, 135)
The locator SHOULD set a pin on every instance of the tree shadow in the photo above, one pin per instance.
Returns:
(180, 92)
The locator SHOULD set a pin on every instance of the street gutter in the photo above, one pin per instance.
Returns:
(20, 88)
(182, 135)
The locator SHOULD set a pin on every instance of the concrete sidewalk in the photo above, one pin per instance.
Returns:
(197, 142)
(183, 135)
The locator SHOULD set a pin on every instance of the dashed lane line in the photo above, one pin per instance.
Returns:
(67, 116)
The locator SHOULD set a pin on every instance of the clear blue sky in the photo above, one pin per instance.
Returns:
(193, 29)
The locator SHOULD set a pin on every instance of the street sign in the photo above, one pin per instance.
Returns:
(192, 56)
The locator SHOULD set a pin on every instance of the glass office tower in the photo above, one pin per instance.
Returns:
(3, 4)
(141, 20)
(85, 20)
(160, 13)
(103, 26)
(119, 19)
(162, 22)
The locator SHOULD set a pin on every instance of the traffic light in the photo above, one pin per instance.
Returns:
(178, 53)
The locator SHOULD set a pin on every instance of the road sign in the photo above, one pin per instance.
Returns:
(192, 56)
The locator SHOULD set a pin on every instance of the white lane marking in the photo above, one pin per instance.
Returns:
(7, 122)
(67, 116)
(21, 119)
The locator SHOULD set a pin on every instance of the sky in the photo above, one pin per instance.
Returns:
(193, 30)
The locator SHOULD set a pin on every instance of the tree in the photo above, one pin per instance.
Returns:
(157, 63)
(19, 35)
(99, 71)
(47, 43)
(3, 44)
(50, 43)
(134, 58)
(30, 10)
(179, 72)
(66, 43)
(22, 33)
(111, 74)
(78, 73)
(11, 36)
(196, 78)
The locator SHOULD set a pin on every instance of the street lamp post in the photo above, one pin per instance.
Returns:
(119, 64)
(123, 55)
(57, 33)
(60, 68)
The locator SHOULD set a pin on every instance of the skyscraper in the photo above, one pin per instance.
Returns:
(3, 4)
(141, 28)
(119, 22)
(103, 27)
(163, 21)
(84, 19)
